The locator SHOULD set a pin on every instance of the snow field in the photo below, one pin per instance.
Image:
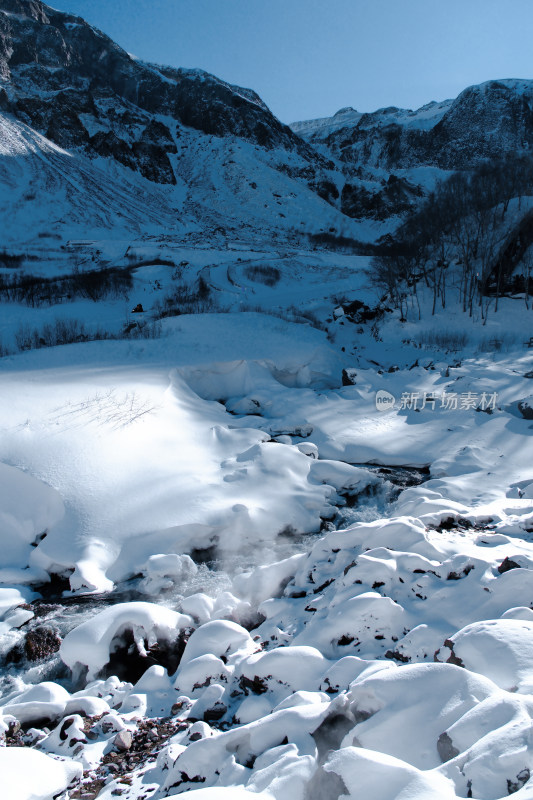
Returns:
(391, 657)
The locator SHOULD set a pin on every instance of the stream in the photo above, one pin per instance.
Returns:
(29, 654)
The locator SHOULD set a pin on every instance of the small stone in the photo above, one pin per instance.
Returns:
(123, 741)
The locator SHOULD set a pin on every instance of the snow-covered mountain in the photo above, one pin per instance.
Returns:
(182, 142)
(195, 150)
(416, 147)
(485, 121)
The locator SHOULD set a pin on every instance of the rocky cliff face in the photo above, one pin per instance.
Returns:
(76, 86)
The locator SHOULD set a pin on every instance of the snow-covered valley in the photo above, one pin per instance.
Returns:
(266, 420)
(225, 570)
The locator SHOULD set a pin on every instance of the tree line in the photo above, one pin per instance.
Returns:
(469, 235)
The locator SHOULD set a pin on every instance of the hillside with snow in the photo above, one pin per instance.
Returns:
(266, 419)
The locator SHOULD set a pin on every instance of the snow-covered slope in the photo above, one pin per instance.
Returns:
(392, 654)
(47, 192)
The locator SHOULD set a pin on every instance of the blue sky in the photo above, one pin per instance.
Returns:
(308, 58)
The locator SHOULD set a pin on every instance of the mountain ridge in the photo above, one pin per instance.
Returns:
(220, 150)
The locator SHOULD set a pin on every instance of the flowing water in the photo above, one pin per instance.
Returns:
(59, 613)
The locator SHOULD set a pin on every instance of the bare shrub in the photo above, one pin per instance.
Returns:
(268, 276)
(443, 340)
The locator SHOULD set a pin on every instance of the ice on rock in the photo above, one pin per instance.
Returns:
(28, 774)
(9, 599)
(164, 571)
(11, 616)
(91, 643)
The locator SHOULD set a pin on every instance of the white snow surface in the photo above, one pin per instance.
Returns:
(346, 641)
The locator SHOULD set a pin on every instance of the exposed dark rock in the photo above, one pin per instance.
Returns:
(39, 643)
(42, 51)
(345, 640)
(521, 779)
(331, 732)
(325, 785)
(129, 665)
(525, 407)
(452, 658)
(215, 713)
(349, 377)
(257, 685)
(507, 564)
(395, 655)
(445, 748)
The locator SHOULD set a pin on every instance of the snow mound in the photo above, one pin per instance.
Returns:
(30, 775)
(28, 508)
(45, 701)
(502, 650)
(219, 638)
(377, 776)
(424, 699)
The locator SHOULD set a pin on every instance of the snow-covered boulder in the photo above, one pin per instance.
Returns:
(501, 649)
(377, 776)
(92, 642)
(354, 625)
(46, 701)
(30, 775)
(525, 406)
(423, 699)
(284, 668)
(221, 638)
(165, 570)
(200, 672)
